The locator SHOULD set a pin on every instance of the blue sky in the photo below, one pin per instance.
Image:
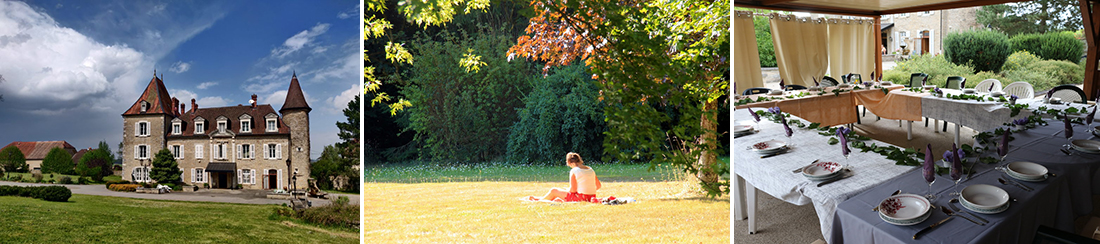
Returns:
(70, 68)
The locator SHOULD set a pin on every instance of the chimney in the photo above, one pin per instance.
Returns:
(183, 108)
(175, 106)
(194, 106)
(253, 101)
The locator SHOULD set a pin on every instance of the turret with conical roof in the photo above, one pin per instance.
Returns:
(295, 99)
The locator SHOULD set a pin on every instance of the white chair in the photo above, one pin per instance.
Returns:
(988, 85)
(1021, 89)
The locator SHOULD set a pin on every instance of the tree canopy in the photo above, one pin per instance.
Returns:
(662, 67)
(13, 160)
(96, 163)
(58, 161)
(1036, 16)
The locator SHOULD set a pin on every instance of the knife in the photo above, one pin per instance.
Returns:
(930, 227)
(781, 151)
(836, 179)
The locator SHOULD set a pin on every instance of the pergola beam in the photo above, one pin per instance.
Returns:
(1091, 21)
(797, 8)
(948, 5)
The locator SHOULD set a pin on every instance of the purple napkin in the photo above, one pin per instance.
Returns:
(872, 75)
(782, 85)
(1069, 127)
(787, 128)
(880, 77)
(929, 167)
(956, 167)
(754, 115)
(843, 134)
(924, 82)
(1050, 93)
(1002, 150)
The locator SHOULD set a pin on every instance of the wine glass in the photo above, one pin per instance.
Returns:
(956, 175)
(929, 173)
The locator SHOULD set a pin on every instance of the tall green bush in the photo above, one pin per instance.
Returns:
(764, 42)
(58, 161)
(96, 164)
(13, 160)
(561, 114)
(985, 50)
(460, 115)
(1050, 45)
(165, 169)
(936, 66)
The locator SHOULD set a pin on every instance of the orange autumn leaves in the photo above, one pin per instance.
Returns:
(559, 34)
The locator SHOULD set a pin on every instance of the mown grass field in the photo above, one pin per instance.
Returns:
(407, 204)
(100, 219)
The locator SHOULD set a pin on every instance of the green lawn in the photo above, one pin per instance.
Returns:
(458, 204)
(430, 172)
(99, 219)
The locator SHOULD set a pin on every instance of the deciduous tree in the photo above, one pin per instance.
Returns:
(12, 160)
(1036, 16)
(58, 161)
(663, 70)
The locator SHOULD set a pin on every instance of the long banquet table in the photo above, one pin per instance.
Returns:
(828, 109)
(1055, 202)
(773, 175)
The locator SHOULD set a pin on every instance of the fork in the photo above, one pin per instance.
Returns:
(951, 204)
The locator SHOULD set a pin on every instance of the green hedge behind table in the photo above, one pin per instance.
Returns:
(985, 50)
(1050, 46)
(48, 193)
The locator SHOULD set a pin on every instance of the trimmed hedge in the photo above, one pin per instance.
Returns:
(112, 182)
(1050, 46)
(330, 215)
(985, 50)
(124, 187)
(48, 193)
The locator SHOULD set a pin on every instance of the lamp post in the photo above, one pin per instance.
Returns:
(288, 176)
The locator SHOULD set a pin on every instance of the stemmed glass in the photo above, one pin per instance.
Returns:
(956, 175)
(1002, 149)
(929, 171)
(1069, 134)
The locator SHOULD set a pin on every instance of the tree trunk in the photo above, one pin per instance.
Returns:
(708, 159)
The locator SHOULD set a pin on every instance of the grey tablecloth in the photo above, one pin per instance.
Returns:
(773, 175)
(1055, 202)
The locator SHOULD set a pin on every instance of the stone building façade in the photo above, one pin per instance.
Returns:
(251, 146)
(923, 32)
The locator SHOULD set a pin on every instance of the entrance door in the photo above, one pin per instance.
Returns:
(272, 179)
(223, 181)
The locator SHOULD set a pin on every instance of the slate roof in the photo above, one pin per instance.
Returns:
(295, 99)
(37, 150)
(233, 114)
(157, 97)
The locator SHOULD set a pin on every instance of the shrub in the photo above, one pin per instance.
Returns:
(81, 181)
(65, 180)
(986, 50)
(37, 177)
(165, 168)
(55, 194)
(341, 200)
(281, 212)
(112, 182)
(973, 79)
(1047, 74)
(16, 178)
(48, 193)
(936, 66)
(764, 43)
(331, 215)
(1020, 59)
(124, 187)
(1050, 46)
(561, 114)
(1031, 43)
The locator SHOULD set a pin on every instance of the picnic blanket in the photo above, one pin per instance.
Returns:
(611, 200)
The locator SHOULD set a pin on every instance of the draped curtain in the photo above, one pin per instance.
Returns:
(852, 48)
(801, 48)
(746, 70)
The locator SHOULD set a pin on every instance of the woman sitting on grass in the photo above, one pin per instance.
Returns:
(583, 183)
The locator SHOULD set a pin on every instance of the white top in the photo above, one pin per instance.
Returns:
(586, 180)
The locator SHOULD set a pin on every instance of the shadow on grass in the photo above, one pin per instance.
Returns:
(697, 199)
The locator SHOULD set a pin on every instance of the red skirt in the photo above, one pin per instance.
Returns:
(578, 197)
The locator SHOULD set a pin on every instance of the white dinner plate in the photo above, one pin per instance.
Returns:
(1088, 146)
(904, 207)
(1026, 171)
(768, 147)
(984, 197)
(737, 129)
(822, 170)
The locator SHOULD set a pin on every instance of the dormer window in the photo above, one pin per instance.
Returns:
(223, 124)
(199, 124)
(144, 106)
(272, 122)
(246, 123)
(177, 126)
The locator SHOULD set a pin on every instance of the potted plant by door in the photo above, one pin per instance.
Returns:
(206, 185)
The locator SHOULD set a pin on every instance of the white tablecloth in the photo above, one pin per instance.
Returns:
(981, 116)
(773, 175)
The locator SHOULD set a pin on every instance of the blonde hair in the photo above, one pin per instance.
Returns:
(573, 158)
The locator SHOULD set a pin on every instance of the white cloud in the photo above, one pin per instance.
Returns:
(49, 67)
(340, 70)
(337, 104)
(277, 98)
(185, 97)
(180, 67)
(350, 12)
(302, 39)
(204, 85)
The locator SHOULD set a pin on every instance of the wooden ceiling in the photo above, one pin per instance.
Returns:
(866, 8)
